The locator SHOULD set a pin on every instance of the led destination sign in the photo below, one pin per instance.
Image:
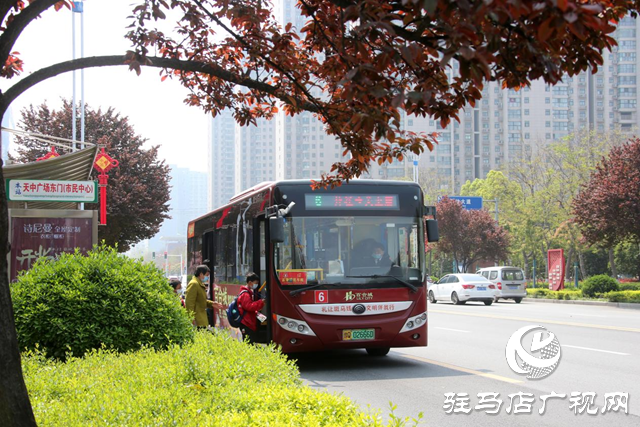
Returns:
(351, 201)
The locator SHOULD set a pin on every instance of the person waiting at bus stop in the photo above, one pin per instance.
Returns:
(250, 303)
(196, 301)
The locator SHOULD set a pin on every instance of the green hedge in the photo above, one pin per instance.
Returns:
(631, 286)
(569, 294)
(214, 381)
(548, 294)
(75, 303)
(623, 296)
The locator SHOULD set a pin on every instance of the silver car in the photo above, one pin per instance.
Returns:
(509, 281)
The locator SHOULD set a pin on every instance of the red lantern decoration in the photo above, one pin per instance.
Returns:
(103, 163)
(50, 154)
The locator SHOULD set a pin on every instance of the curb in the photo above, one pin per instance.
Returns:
(626, 305)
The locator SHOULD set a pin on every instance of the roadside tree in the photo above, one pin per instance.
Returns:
(380, 59)
(469, 236)
(607, 209)
(138, 187)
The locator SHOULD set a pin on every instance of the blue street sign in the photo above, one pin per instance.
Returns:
(469, 202)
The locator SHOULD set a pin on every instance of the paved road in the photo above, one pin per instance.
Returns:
(466, 354)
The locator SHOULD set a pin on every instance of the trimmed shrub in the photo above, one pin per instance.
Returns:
(215, 381)
(76, 303)
(537, 292)
(630, 286)
(566, 294)
(599, 284)
(623, 296)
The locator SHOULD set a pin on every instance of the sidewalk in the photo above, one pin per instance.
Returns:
(628, 305)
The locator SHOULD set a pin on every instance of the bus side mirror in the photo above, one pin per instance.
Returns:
(432, 230)
(276, 229)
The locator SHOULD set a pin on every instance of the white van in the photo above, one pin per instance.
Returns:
(509, 282)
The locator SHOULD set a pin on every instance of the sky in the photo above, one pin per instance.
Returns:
(155, 109)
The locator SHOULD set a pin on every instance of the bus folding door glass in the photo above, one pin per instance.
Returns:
(246, 249)
(220, 255)
(263, 252)
(230, 249)
(409, 253)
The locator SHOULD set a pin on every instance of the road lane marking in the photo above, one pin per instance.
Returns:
(454, 330)
(461, 369)
(595, 349)
(551, 322)
(588, 315)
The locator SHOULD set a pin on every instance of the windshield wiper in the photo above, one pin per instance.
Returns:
(377, 276)
(308, 288)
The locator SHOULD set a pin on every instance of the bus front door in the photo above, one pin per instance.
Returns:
(260, 265)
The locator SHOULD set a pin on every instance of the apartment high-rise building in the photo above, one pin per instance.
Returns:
(188, 200)
(507, 125)
(221, 155)
(255, 158)
(504, 126)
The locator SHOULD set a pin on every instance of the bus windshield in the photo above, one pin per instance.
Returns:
(350, 250)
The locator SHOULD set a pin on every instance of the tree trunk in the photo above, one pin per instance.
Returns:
(15, 408)
(525, 258)
(583, 269)
(567, 265)
(612, 263)
(638, 266)
(545, 259)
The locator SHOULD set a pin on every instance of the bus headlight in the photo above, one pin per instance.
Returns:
(414, 322)
(294, 325)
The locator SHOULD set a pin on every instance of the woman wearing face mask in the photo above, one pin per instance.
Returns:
(250, 303)
(196, 301)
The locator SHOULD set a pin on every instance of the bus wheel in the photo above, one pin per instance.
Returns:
(378, 351)
(432, 298)
(517, 300)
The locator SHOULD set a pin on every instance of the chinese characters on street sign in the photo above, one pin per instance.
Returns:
(36, 190)
(468, 202)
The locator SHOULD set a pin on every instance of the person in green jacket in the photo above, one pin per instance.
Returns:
(196, 301)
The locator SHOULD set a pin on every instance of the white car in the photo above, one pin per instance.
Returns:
(509, 281)
(460, 288)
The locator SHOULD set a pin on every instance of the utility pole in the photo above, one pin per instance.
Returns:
(496, 207)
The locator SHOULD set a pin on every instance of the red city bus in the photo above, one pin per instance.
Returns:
(314, 251)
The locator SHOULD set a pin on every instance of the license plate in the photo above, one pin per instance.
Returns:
(481, 288)
(513, 286)
(358, 334)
